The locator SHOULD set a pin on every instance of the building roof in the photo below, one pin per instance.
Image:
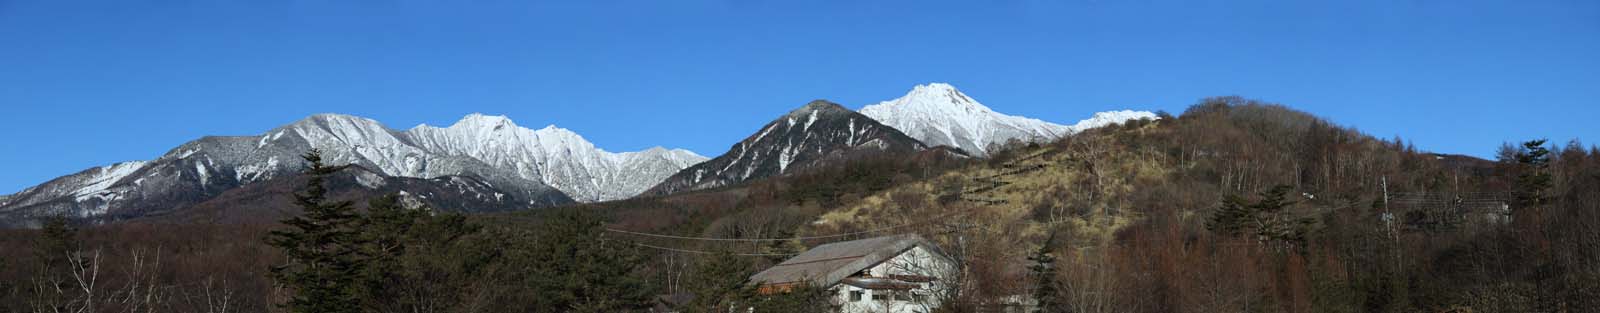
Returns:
(828, 264)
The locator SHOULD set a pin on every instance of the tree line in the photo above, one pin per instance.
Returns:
(1271, 210)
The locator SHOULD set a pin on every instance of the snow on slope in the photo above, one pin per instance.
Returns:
(555, 156)
(817, 134)
(1102, 119)
(532, 165)
(939, 114)
(103, 177)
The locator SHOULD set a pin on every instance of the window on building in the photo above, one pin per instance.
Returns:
(919, 297)
(902, 295)
(880, 295)
(855, 295)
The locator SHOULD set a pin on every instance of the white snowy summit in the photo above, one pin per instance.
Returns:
(494, 146)
(938, 114)
(544, 167)
(1102, 119)
(556, 156)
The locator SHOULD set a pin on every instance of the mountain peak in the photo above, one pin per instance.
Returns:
(335, 117)
(938, 114)
(664, 151)
(553, 130)
(819, 133)
(819, 107)
(939, 87)
(480, 120)
(940, 96)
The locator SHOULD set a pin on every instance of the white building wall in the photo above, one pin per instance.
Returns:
(916, 261)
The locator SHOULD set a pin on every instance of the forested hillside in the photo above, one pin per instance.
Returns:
(1232, 206)
(1241, 206)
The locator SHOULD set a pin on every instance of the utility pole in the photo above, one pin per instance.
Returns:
(1389, 225)
(1388, 216)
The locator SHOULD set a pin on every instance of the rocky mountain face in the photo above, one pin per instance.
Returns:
(535, 168)
(273, 200)
(940, 115)
(481, 157)
(554, 156)
(816, 134)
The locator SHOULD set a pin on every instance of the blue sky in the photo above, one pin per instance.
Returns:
(88, 83)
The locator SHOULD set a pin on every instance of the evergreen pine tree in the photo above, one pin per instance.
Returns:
(322, 246)
(1272, 222)
(572, 267)
(1533, 196)
(57, 241)
(384, 232)
(6, 287)
(1046, 291)
(804, 298)
(1267, 219)
(1533, 183)
(720, 283)
(417, 261)
(1229, 218)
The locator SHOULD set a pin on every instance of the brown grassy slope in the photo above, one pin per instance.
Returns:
(1146, 188)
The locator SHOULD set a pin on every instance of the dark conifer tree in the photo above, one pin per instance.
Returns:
(1046, 282)
(1266, 219)
(720, 284)
(1533, 196)
(323, 248)
(1533, 183)
(417, 261)
(7, 288)
(1229, 217)
(573, 267)
(804, 298)
(386, 227)
(57, 242)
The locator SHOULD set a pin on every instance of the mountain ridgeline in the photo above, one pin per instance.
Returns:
(818, 134)
(534, 168)
(520, 167)
(940, 115)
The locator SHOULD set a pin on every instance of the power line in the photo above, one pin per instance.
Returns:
(710, 252)
(643, 245)
(882, 229)
(755, 239)
(929, 221)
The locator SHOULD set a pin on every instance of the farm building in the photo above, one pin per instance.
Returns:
(896, 274)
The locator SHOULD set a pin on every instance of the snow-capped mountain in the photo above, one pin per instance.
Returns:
(816, 134)
(536, 167)
(1102, 119)
(939, 115)
(274, 199)
(555, 156)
